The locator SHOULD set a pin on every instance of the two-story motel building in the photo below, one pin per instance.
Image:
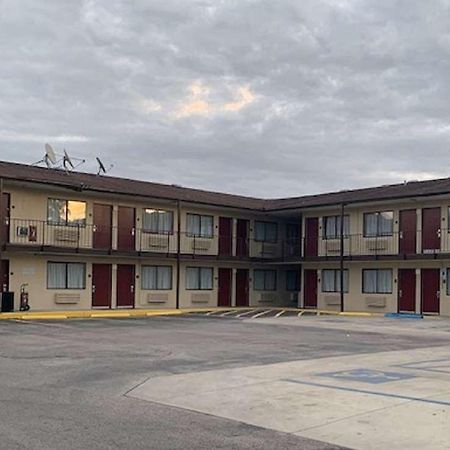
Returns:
(82, 241)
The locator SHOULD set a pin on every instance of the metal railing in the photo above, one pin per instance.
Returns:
(39, 234)
(401, 244)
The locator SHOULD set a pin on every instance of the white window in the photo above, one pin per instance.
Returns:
(377, 281)
(266, 231)
(378, 224)
(332, 227)
(331, 280)
(157, 221)
(293, 280)
(199, 278)
(66, 275)
(156, 278)
(264, 280)
(66, 212)
(200, 226)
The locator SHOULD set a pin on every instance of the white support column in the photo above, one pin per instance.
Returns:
(418, 291)
(419, 230)
(114, 286)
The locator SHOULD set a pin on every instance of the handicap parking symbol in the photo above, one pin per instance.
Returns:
(367, 376)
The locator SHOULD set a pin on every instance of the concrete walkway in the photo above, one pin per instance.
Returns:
(396, 400)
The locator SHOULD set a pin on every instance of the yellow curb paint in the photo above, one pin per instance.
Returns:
(86, 314)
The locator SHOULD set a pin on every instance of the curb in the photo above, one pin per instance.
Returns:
(125, 314)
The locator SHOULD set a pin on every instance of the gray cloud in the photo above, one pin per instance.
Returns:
(254, 97)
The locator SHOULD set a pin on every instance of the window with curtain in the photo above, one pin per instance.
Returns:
(264, 280)
(293, 280)
(199, 226)
(66, 275)
(331, 280)
(266, 231)
(332, 227)
(199, 278)
(157, 221)
(379, 224)
(156, 278)
(66, 212)
(377, 281)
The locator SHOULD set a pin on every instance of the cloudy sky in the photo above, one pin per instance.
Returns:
(258, 97)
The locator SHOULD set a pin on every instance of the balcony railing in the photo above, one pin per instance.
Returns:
(35, 234)
(41, 235)
(400, 244)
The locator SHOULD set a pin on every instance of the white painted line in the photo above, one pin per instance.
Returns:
(280, 313)
(228, 313)
(261, 314)
(212, 312)
(300, 313)
(246, 312)
(42, 324)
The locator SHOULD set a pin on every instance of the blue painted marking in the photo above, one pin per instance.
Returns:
(431, 365)
(363, 391)
(403, 316)
(367, 376)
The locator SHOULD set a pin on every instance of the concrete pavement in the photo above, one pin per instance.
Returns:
(203, 383)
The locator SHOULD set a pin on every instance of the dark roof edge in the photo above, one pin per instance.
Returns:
(259, 204)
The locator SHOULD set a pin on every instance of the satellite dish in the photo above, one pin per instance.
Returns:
(67, 161)
(49, 154)
(101, 167)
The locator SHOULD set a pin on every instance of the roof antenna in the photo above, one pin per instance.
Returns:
(67, 161)
(54, 160)
(49, 158)
(101, 166)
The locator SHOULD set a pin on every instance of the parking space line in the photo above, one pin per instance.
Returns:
(261, 314)
(228, 313)
(246, 313)
(210, 313)
(280, 313)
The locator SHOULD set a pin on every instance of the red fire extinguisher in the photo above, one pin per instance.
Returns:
(24, 298)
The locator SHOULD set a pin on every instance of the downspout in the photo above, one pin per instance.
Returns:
(341, 257)
(178, 253)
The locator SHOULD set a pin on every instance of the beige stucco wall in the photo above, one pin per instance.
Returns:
(29, 208)
(32, 269)
(356, 300)
(358, 244)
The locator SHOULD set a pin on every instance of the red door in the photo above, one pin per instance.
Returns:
(311, 236)
(430, 288)
(242, 287)
(242, 237)
(225, 236)
(4, 219)
(407, 290)
(126, 230)
(310, 288)
(125, 285)
(4, 275)
(431, 229)
(224, 296)
(102, 226)
(407, 231)
(101, 285)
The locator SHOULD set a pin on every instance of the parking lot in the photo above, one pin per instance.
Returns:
(222, 381)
